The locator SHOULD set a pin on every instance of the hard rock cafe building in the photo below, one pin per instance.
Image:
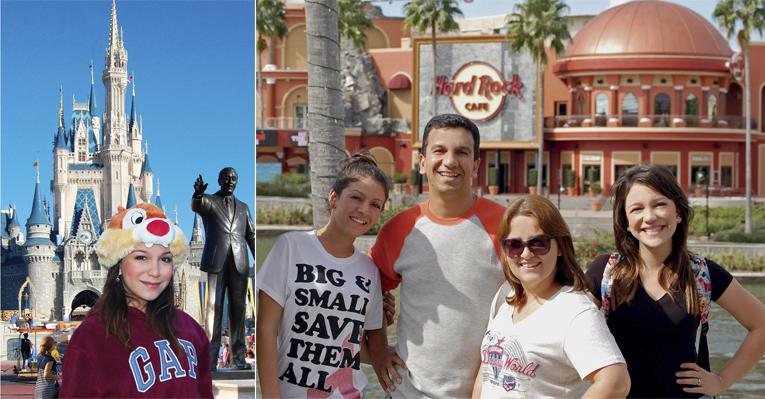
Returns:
(642, 82)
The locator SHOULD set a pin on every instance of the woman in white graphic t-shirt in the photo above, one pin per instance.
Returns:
(318, 294)
(545, 337)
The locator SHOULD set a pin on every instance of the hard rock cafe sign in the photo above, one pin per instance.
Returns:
(478, 90)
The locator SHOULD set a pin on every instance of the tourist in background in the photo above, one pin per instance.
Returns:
(46, 386)
(655, 292)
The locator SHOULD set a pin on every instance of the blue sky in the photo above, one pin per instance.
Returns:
(194, 70)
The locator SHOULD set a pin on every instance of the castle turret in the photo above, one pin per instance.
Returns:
(157, 199)
(115, 158)
(147, 175)
(94, 115)
(131, 199)
(60, 167)
(40, 257)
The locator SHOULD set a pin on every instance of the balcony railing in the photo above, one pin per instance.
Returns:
(647, 121)
(79, 276)
(283, 123)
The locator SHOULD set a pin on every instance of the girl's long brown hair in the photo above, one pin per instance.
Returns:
(676, 275)
(112, 309)
(549, 219)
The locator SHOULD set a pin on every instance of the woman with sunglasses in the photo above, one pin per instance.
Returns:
(545, 337)
(658, 291)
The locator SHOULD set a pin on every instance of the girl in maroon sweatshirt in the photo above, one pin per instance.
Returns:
(135, 343)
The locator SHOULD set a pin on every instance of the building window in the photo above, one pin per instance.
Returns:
(629, 110)
(601, 109)
(726, 176)
(712, 107)
(691, 110)
(561, 108)
(661, 109)
(301, 115)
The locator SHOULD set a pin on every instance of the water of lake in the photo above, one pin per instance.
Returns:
(725, 336)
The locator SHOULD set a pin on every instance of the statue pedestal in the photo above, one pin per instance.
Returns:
(233, 384)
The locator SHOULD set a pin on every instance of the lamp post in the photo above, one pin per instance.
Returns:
(701, 179)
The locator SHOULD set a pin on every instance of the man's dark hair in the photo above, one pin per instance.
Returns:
(452, 120)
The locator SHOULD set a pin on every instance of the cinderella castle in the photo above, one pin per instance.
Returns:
(100, 162)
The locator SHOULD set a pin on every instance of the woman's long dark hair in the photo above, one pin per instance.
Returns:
(112, 308)
(676, 275)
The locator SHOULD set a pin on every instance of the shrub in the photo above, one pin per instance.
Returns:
(284, 216)
(399, 177)
(384, 217)
(727, 224)
(531, 178)
(415, 177)
(493, 178)
(568, 178)
(286, 185)
(736, 261)
(589, 248)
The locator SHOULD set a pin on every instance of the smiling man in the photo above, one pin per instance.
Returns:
(444, 255)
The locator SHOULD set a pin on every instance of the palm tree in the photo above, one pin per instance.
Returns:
(530, 27)
(271, 15)
(739, 18)
(353, 20)
(424, 15)
(326, 147)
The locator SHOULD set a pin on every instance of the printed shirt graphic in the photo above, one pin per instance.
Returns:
(547, 354)
(328, 302)
(448, 270)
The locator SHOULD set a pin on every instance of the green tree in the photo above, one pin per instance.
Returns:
(271, 16)
(326, 147)
(432, 15)
(740, 18)
(532, 25)
(353, 20)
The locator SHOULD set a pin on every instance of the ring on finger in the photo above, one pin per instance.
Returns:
(698, 382)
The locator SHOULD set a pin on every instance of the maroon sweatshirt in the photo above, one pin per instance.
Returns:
(97, 365)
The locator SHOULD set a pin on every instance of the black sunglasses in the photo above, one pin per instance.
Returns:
(539, 245)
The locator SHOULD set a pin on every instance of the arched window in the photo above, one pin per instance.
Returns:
(661, 109)
(629, 110)
(601, 109)
(712, 107)
(691, 110)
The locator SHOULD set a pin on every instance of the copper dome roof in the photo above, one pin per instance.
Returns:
(645, 29)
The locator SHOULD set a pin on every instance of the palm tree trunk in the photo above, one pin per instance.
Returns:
(540, 127)
(434, 106)
(326, 147)
(748, 146)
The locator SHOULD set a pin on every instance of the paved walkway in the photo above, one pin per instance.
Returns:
(13, 387)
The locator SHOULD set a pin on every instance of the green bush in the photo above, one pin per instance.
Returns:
(589, 248)
(493, 178)
(531, 178)
(568, 178)
(737, 261)
(286, 185)
(415, 177)
(727, 224)
(399, 177)
(387, 213)
(284, 216)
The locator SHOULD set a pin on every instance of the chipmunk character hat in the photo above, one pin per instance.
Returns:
(143, 223)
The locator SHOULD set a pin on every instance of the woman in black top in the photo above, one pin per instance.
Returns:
(654, 303)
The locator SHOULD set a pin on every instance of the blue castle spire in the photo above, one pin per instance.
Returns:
(61, 132)
(146, 168)
(38, 214)
(132, 105)
(93, 108)
(131, 199)
(157, 199)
